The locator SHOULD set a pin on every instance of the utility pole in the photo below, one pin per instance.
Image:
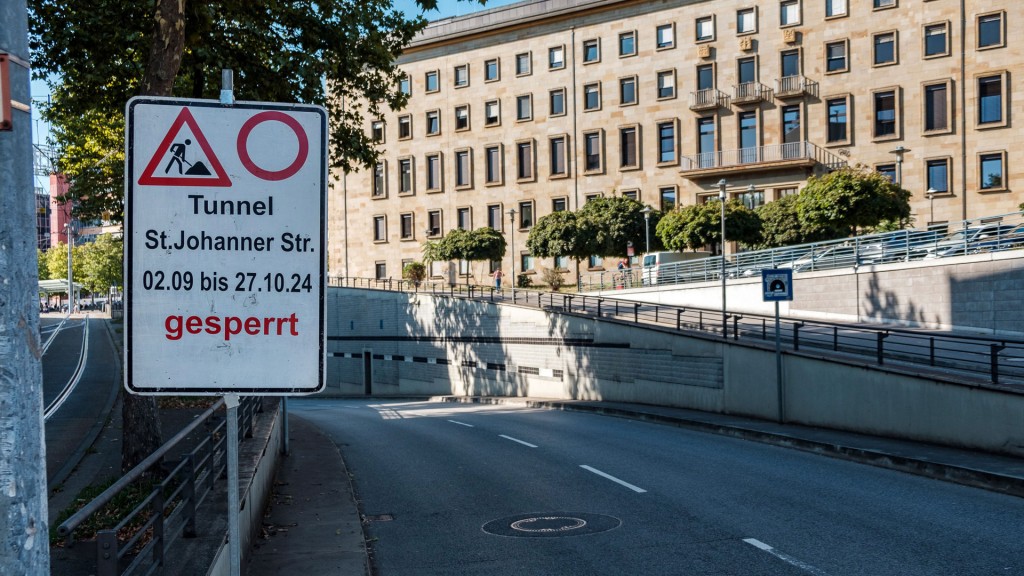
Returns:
(24, 534)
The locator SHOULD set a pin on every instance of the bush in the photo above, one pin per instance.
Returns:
(414, 272)
(523, 281)
(552, 278)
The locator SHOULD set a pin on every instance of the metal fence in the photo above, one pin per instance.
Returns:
(139, 542)
(960, 357)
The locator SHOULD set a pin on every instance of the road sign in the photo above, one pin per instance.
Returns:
(225, 247)
(777, 284)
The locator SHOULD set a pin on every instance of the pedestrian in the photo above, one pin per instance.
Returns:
(497, 279)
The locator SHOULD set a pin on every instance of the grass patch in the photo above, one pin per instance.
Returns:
(109, 515)
(182, 402)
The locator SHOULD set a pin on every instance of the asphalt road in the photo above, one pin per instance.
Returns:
(496, 490)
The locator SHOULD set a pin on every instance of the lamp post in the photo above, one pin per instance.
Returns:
(647, 228)
(930, 194)
(899, 152)
(721, 200)
(512, 242)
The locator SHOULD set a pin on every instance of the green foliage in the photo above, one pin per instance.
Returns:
(44, 270)
(698, 225)
(614, 222)
(523, 281)
(414, 272)
(781, 225)
(470, 245)
(57, 262)
(102, 264)
(561, 234)
(851, 198)
(337, 54)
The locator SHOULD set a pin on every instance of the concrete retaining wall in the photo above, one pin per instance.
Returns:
(419, 344)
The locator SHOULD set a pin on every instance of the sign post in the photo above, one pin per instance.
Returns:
(777, 286)
(225, 247)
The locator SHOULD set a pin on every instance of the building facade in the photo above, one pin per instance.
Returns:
(535, 107)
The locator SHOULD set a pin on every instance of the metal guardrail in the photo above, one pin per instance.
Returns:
(169, 510)
(964, 357)
(790, 151)
(991, 234)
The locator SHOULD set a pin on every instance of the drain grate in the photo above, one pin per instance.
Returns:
(551, 525)
(378, 518)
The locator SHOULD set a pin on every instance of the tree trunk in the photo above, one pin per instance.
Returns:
(141, 435)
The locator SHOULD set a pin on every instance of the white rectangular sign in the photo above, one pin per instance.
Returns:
(224, 247)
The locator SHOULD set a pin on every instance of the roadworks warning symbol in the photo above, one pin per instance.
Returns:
(184, 158)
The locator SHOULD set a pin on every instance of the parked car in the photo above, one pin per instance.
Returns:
(964, 241)
(1003, 241)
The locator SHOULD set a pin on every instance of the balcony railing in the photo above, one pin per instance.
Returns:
(707, 99)
(789, 153)
(750, 93)
(793, 86)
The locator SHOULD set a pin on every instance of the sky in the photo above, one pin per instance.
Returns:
(445, 8)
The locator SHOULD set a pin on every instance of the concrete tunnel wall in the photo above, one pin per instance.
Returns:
(418, 344)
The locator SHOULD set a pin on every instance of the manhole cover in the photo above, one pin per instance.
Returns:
(551, 525)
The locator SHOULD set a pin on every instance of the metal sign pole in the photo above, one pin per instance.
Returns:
(778, 366)
(234, 539)
(284, 425)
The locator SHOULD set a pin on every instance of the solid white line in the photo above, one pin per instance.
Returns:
(785, 557)
(613, 479)
(517, 440)
(461, 423)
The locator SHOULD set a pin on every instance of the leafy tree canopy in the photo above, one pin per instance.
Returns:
(470, 245)
(561, 234)
(615, 221)
(849, 199)
(698, 225)
(781, 225)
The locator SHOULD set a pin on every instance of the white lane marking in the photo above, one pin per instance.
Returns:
(518, 440)
(461, 423)
(785, 557)
(636, 489)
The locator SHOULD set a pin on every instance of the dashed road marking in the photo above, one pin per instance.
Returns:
(636, 489)
(785, 557)
(518, 440)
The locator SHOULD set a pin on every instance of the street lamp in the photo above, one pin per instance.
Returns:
(930, 194)
(647, 228)
(899, 152)
(512, 242)
(721, 200)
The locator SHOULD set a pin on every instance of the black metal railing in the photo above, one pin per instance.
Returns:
(791, 151)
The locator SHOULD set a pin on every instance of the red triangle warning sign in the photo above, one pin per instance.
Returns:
(171, 166)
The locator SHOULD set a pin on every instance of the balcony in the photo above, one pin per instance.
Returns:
(750, 93)
(775, 157)
(795, 87)
(708, 99)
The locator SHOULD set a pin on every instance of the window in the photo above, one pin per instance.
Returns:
(494, 219)
(990, 30)
(887, 170)
(380, 229)
(462, 76)
(591, 51)
(885, 113)
(991, 171)
(592, 152)
(526, 262)
(463, 169)
(591, 97)
(705, 76)
(492, 165)
(835, 8)
(524, 64)
(524, 107)
(628, 143)
(434, 223)
(837, 120)
(405, 85)
(631, 194)
(936, 41)
(434, 177)
(556, 102)
(558, 156)
(432, 82)
(790, 63)
(556, 57)
(706, 142)
(748, 137)
(666, 142)
(751, 199)
(561, 262)
(936, 107)
(463, 220)
(938, 175)
(525, 215)
(885, 48)
(789, 12)
(492, 70)
(559, 205)
(667, 198)
(405, 226)
(492, 113)
(462, 117)
(835, 57)
(524, 160)
(746, 21)
(627, 91)
(792, 132)
(380, 270)
(591, 197)
(666, 84)
(990, 100)
(627, 44)
(877, 4)
(380, 189)
(404, 127)
(747, 68)
(405, 179)
(377, 131)
(665, 36)
(433, 123)
(705, 29)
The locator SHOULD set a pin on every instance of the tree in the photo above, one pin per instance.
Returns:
(562, 233)
(44, 272)
(56, 261)
(616, 221)
(850, 199)
(102, 264)
(414, 272)
(698, 225)
(781, 225)
(470, 245)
